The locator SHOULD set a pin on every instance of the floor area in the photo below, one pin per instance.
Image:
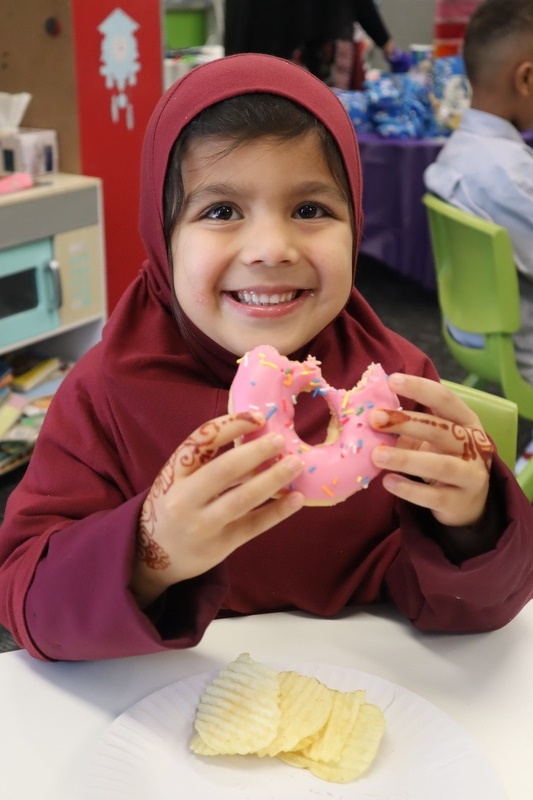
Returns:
(403, 306)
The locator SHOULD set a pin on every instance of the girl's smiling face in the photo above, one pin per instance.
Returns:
(263, 249)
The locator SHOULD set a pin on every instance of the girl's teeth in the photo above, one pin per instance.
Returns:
(252, 298)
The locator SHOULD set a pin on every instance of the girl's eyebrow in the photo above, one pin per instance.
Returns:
(319, 187)
(227, 189)
(210, 190)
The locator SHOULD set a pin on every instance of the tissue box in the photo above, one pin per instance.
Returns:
(32, 150)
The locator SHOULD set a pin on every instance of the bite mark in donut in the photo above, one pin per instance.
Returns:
(270, 383)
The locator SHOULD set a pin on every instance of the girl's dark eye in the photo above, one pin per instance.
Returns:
(223, 213)
(310, 211)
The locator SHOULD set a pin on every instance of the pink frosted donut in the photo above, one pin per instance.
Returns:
(269, 382)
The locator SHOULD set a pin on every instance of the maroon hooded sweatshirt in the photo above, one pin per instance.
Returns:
(68, 539)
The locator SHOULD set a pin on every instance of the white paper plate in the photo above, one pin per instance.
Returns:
(424, 754)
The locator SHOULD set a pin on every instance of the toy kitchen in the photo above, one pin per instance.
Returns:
(52, 273)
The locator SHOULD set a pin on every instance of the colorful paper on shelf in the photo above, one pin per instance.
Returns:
(11, 412)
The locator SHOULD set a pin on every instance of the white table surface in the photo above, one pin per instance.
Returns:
(53, 714)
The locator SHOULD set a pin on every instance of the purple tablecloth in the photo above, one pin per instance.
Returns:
(395, 229)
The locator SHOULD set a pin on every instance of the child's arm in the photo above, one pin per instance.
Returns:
(441, 462)
(201, 508)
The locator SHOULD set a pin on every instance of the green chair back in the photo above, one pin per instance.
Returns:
(478, 291)
(476, 274)
(498, 416)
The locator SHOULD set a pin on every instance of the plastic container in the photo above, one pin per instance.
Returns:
(185, 27)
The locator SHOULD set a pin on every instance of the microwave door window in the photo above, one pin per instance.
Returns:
(18, 293)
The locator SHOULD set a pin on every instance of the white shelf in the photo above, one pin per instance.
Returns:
(68, 342)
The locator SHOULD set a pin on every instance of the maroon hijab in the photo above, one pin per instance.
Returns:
(212, 83)
(148, 309)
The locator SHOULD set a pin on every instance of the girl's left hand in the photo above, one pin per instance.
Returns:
(447, 449)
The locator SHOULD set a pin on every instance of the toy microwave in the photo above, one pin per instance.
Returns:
(51, 258)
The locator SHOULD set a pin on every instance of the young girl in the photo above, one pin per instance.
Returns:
(137, 521)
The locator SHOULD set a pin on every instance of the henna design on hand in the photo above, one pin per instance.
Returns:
(197, 449)
(475, 443)
(399, 417)
(394, 418)
(148, 550)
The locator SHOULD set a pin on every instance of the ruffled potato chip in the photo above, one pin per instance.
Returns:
(252, 709)
(328, 745)
(358, 751)
(199, 747)
(305, 706)
(239, 711)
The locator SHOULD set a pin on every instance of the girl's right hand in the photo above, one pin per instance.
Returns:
(201, 508)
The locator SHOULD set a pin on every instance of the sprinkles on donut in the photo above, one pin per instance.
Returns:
(270, 383)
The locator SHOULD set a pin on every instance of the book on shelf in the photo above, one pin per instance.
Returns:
(18, 440)
(22, 412)
(51, 384)
(29, 370)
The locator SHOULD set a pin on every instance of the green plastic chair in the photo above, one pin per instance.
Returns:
(478, 291)
(498, 416)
